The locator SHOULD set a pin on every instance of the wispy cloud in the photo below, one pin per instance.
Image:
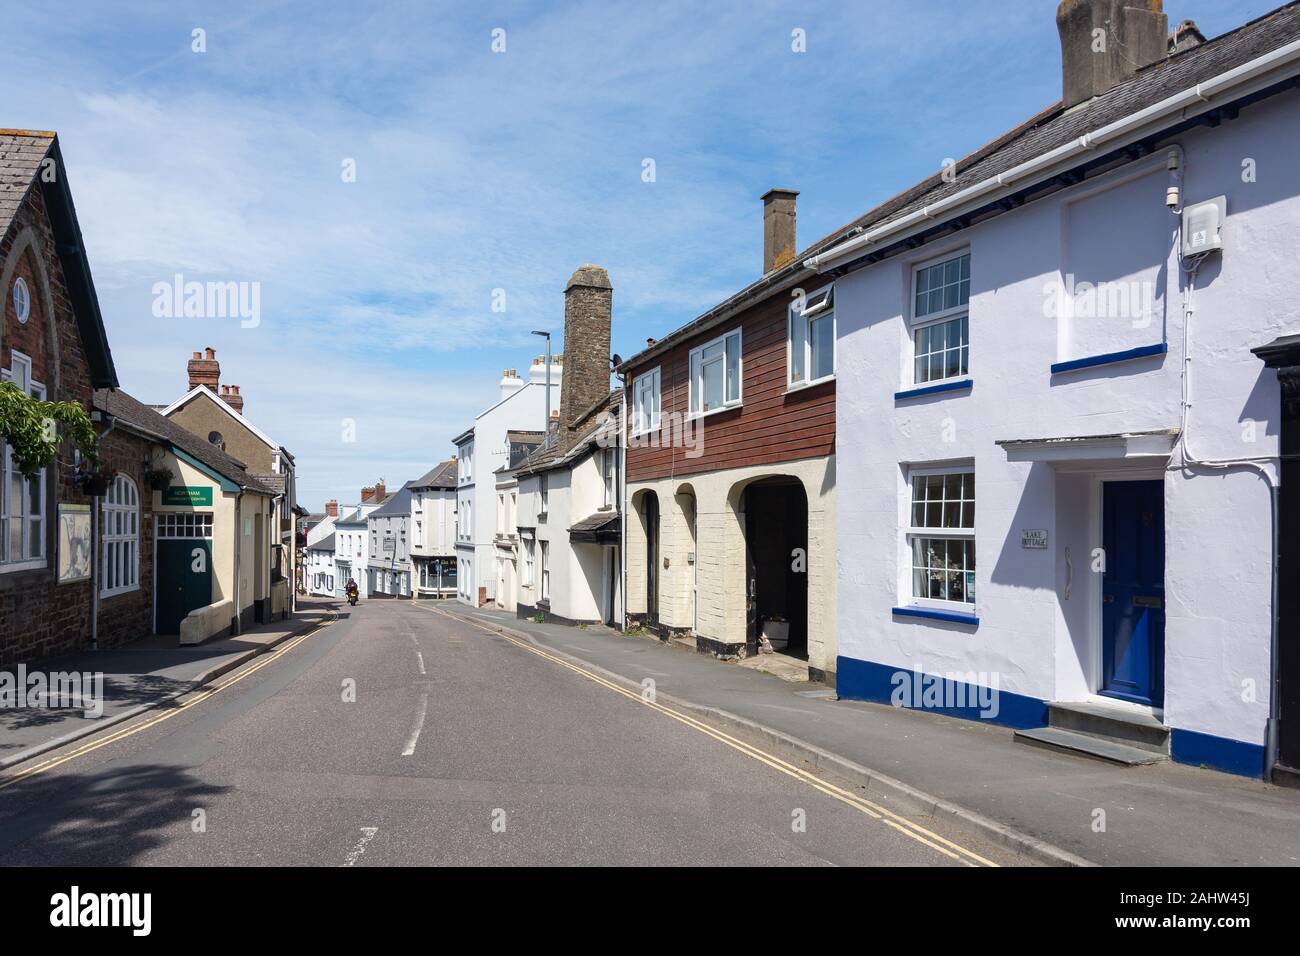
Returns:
(478, 171)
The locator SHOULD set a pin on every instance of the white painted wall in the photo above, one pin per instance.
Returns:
(523, 409)
(579, 572)
(1217, 524)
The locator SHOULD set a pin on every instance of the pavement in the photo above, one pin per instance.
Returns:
(396, 735)
(139, 675)
(1165, 814)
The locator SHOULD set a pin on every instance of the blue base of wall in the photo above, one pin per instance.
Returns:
(1218, 753)
(883, 684)
(866, 680)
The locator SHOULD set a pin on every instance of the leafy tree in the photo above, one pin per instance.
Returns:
(30, 427)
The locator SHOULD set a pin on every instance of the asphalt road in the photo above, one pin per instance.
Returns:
(457, 747)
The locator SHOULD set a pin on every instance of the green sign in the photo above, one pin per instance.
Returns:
(186, 495)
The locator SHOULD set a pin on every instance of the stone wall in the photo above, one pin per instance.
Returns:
(39, 617)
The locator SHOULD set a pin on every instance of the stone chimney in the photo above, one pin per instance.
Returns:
(1104, 42)
(332, 508)
(778, 228)
(230, 395)
(588, 301)
(204, 370)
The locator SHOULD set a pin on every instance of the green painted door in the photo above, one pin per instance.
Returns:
(184, 579)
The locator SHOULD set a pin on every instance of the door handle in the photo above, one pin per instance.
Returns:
(1147, 600)
(1108, 599)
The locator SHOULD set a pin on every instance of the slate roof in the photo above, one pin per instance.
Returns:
(395, 505)
(442, 475)
(571, 444)
(141, 418)
(275, 482)
(1051, 128)
(599, 528)
(324, 544)
(22, 152)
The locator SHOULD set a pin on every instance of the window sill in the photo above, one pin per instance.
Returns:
(955, 617)
(959, 385)
(116, 592)
(801, 386)
(695, 416)
(1110, 358)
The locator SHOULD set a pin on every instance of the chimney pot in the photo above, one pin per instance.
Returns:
(1105, 42)
(212, 353)
(778, 228)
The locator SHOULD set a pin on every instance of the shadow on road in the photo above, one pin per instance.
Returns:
(111, 817)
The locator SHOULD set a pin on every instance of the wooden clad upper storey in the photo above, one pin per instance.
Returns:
(754, 390)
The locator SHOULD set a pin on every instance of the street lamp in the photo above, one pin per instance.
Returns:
(546, 426)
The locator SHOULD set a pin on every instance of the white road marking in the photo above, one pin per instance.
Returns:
(367, 834)
(417, 726)
(420, 660)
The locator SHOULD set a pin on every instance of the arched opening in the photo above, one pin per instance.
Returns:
(686, 504)
(647, 505)
(776, 565)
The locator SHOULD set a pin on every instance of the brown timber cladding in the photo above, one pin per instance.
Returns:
(771, 425)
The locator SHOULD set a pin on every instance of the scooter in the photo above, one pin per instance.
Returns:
(352, 598)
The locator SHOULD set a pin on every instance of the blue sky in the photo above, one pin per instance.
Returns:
(478, 171)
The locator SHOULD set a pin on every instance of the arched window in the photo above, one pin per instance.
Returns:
(120, 532)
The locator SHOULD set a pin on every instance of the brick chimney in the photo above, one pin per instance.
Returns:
(230, 395)
(204, 369)
(588, 301)
(380, 491)
(1104, 42)
(367, 494)
(778, 228)
(1185, 36)
(332, 508)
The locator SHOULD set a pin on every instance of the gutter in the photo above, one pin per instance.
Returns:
(949, 206)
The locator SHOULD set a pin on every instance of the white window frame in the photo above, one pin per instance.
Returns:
(543, 494)
(913, 532)
(695, 375)
(647, 386)
(40, 559)
(816, 307)
(609, 475)
(544, 553)
(530, 549)
(116, 564)
(941, 317)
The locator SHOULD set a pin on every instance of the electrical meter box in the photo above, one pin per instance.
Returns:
(1203, 227)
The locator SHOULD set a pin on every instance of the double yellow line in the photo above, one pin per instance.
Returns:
(199, 697)
(873, 810)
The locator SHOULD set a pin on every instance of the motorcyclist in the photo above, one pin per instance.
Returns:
(352, 591)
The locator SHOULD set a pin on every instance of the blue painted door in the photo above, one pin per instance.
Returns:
(1133, 591)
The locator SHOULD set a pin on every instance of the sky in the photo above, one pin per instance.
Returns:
(407, 186)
